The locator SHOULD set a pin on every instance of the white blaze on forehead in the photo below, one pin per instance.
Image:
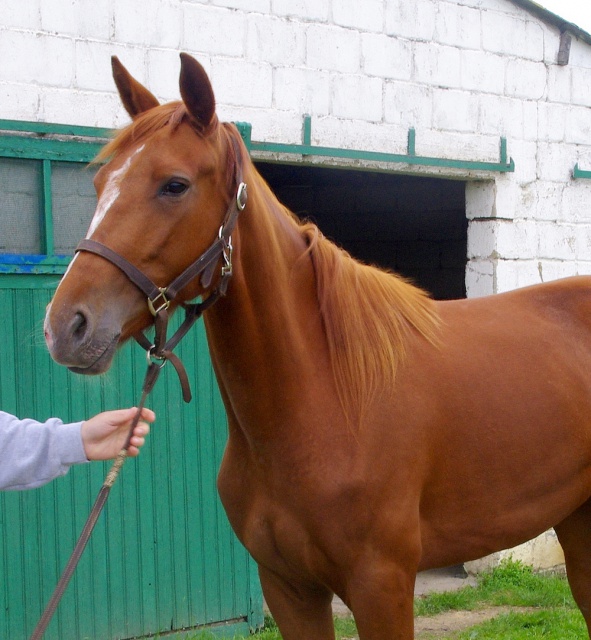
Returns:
(111, 192)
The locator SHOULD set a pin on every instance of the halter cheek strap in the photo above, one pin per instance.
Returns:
(159, 298)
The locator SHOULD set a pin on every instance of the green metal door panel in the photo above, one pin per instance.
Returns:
(163, 557)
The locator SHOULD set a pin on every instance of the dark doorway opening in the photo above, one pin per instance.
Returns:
(415, 226)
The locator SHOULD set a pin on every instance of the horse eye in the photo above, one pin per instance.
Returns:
(174, 188)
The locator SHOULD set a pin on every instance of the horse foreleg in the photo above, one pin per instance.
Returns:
(300, 612)
(574, 534)
(381, 599)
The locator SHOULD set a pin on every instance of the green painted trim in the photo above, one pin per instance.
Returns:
(228, 630)
(389, 158)
(579, 173)
(307, 130)
(57, 129)
(28, 281)
(47, 210)
(412, 136)
(308, 149)
(48, 149)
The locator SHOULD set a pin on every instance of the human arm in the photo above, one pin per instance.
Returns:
(33, 453)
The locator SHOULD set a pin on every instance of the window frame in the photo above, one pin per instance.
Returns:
(47, 143)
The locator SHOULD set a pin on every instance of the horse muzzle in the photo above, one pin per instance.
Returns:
(78, 343)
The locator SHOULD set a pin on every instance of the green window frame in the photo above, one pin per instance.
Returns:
(48, 144)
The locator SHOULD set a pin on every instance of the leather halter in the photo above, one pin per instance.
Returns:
(159, 298)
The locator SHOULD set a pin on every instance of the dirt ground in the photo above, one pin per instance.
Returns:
(430, 628)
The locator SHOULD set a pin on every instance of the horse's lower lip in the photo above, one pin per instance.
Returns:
(102, 363)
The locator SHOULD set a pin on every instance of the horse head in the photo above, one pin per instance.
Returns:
(162, 196)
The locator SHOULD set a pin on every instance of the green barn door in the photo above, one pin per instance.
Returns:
(163, 556)
(163, 559)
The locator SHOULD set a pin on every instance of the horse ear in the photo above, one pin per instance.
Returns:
(196, 91)
(135, 97)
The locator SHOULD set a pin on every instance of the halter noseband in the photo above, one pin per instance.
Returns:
(159, 298)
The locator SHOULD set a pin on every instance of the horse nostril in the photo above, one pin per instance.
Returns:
(79, 326)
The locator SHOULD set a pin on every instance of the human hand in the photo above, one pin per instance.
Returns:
(104, 435)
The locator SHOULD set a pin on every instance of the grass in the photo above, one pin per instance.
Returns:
(512, 584)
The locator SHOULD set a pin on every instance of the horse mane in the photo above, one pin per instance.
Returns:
(369, 315)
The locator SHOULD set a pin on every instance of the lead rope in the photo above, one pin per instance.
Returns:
(149, 382)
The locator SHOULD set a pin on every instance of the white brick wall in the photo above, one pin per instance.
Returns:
(462, 72)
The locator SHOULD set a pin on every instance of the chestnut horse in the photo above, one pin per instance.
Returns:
(373, 432)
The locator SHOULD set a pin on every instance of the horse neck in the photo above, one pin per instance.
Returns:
(266, 335)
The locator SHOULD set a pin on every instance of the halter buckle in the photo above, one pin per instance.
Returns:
(227, 254)
(163, 304)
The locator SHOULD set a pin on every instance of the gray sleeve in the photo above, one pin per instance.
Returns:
(33, 453)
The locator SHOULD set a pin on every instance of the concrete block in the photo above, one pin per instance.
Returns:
(480, 199)
(578, 125)
(348, 13)
(356, 98)
(525, 79)
(263, 35)
(575, 201)
(559, 84)
(22, 15)
(458, 26)
(302, 90)
(455, 110)
(482, 239)
(386, 57)
(549, 197)
(333, 49)
(555, 161)
(479, 278)
(309, 10)
(580, 54)
(50, 59)
(583, 250)
(93, 64)
(19, 101)
(268, 124)
(526, 157)
(76, 19)
(558, 241)
(581, 86)
(501, 116)
(507, 197)
(242, 83)
(414, 20)
(482, 72)
(214, 30)
(541, 553)
(84, 108)
(437, 65)
(369, 136)
(457, 145)
(555, 269)
(512, 36)
(153, 23)
(552, 118)
(517, 240)
(409, 104)
(514, 274)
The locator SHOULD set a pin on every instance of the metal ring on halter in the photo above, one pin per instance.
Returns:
(241, 196)
(154, 359)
